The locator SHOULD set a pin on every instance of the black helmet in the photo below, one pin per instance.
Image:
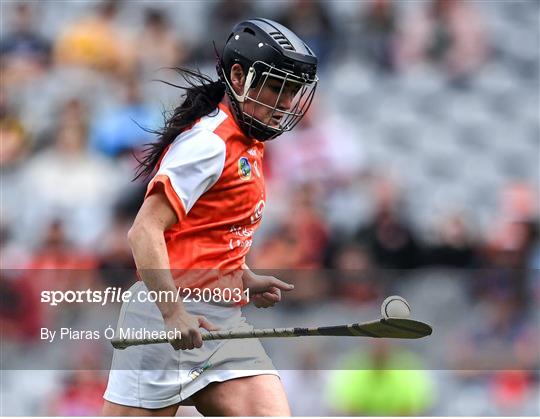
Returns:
(267, 51)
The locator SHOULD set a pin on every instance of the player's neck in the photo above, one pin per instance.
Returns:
(226, 102)
(227, 106)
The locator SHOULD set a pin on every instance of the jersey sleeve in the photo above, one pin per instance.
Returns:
(190, 167)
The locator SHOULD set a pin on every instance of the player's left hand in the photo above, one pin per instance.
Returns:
(264, 290)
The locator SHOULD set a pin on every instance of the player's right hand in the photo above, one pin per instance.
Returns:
(188, 325)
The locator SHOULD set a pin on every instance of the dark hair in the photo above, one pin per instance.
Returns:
(202, 96)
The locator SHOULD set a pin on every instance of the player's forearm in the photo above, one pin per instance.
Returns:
(246, 273)
(152, 261)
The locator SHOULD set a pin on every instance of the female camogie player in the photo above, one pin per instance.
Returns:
(195, 228)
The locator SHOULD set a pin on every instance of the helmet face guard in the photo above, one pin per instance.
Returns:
(280, 82)
(276, 64)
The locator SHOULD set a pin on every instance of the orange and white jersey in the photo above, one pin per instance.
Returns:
(212, 176)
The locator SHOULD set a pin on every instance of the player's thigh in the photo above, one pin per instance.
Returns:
(114, 409)
(258, 395)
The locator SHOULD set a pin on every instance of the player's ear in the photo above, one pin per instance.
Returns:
(238, 78)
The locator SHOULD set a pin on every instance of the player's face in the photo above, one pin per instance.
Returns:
(277, 102)
(274, 99)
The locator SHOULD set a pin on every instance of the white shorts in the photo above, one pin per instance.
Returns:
(156, 376)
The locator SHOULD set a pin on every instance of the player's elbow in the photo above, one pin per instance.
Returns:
(139, 232)
(133, 235)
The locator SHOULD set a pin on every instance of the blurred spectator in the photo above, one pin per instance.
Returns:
(277, 250)
(447, 33)
(354, 274)
(97, 42)
(20, 307)
(72, 113)
(13, 152)
(14, 142)
(510, 244)
(312, 21)
(309, 227)
(511, 264)
(66, 182)
(57, 264)
(321, 150)
(386, 381)
(158, 44)
(454, 247)
(121, 128)
(24, 52)
(302, 239)
(518, 204)
(114, 255)
(389, 238)
(56, 252)
(351, 256)
(377, 32)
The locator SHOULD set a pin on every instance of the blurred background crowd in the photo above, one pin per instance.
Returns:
(417, 164)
